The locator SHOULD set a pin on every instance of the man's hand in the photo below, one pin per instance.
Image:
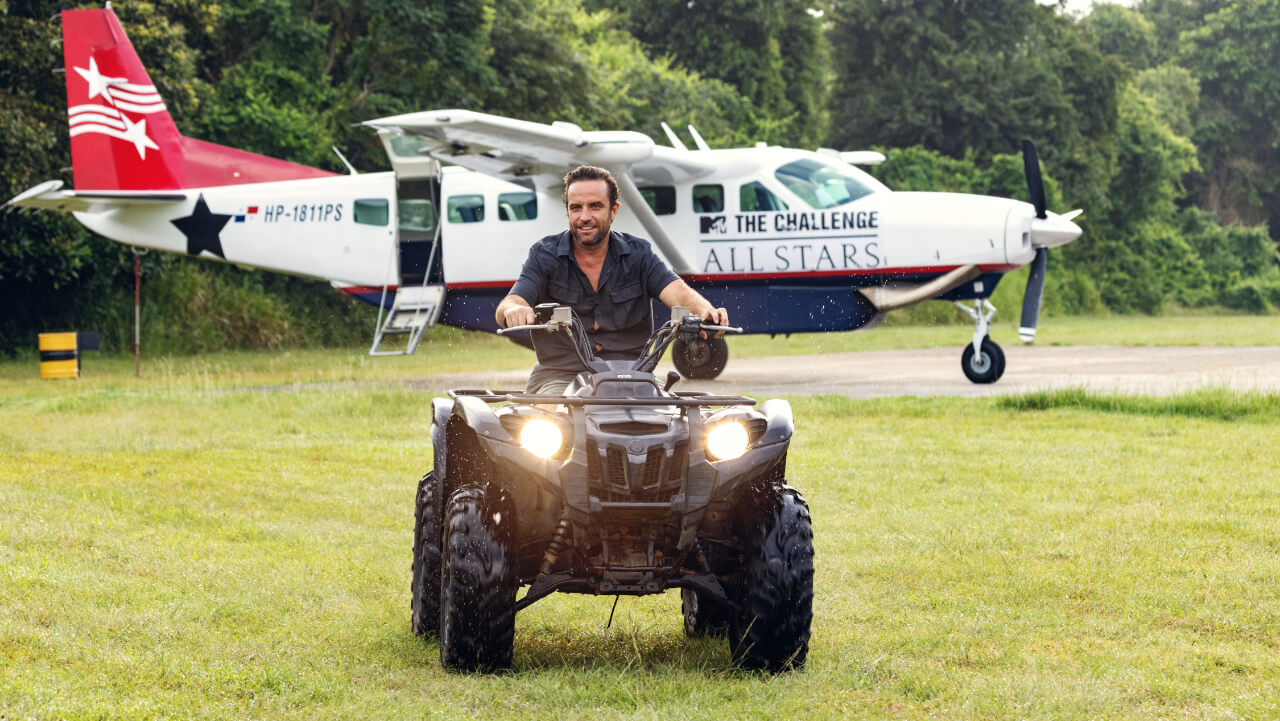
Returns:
(715, 316)
(514, 311)
(518, 315)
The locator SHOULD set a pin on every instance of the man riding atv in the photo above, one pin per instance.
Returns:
(608, 278)
(621, 486)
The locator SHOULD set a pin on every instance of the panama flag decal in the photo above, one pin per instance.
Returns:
(108, 116)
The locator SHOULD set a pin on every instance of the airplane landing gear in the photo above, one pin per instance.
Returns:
(700, 358)
(982, 360)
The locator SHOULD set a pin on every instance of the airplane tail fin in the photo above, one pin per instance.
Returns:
(122, 136)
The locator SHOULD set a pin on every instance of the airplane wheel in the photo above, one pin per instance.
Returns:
(983, 367)
(701, 358)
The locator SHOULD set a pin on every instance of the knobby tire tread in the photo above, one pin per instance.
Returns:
(478, 584)
(771, 629)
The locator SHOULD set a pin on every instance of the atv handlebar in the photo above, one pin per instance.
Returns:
(683, 326)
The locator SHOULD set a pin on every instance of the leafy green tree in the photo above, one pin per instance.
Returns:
(1176, 95)
(963, 76)
(772, 51)
(1123, 32)
(1234, 55)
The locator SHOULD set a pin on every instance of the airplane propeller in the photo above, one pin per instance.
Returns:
(1035, 282)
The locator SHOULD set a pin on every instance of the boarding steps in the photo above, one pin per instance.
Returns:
(414, 309)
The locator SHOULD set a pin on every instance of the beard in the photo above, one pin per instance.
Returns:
(595, 238)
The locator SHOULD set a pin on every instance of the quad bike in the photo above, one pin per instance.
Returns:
(619, 487)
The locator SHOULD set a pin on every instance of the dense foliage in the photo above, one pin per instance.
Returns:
(1161, 120)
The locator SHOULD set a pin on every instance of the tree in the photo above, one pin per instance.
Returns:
(1233, 56)
(772, 51)
(1124, 33)
(964, 76)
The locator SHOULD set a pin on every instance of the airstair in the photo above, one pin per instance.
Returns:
(414, 309)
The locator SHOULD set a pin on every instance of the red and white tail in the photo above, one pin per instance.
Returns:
(122, 137)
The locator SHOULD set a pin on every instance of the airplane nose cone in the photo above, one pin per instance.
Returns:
(1054, 230)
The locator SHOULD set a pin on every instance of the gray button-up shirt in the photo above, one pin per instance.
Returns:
(621, 305)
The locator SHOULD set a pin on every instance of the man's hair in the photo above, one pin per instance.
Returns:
(591, 172)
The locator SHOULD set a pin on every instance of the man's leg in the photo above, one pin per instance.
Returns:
(555, 387)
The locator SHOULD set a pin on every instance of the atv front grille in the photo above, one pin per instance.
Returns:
(612, 477)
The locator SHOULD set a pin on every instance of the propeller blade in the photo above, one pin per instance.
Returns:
(1031, 298)
(1035, 183)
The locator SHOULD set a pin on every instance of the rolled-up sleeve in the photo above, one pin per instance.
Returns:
(652, 271)
(532, 283)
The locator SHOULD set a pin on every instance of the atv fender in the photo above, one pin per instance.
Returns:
(781, 426)
(441, 409)
(765, 458)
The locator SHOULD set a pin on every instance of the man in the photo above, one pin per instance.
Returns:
(606, 276)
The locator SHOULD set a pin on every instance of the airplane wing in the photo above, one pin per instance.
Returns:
(510, 148)
(49, 195)
(521, 150)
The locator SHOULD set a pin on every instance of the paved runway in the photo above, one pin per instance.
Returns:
(936, 372)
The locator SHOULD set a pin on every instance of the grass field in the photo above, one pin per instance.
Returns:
(185, 545)
(448, 350)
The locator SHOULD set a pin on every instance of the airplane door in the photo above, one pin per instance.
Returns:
(418, 232)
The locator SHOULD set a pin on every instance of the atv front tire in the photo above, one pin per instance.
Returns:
(770, 631)
(428, 515)
(478, 583)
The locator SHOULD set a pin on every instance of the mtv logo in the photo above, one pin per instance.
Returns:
(714, 224)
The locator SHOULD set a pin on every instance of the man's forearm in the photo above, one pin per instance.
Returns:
(511, 301)
(679, 293)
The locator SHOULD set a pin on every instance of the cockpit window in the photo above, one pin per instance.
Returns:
(824, 186)
(754, 197)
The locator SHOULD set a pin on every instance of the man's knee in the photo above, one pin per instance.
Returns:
(555, 387)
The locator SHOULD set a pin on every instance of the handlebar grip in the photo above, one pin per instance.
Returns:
(539, 326)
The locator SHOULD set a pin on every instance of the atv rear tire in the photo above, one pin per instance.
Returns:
(478, 583)
(770, 631)
(425, 587)
(703, 618)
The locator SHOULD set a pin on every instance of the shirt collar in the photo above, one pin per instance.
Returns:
(618, 244)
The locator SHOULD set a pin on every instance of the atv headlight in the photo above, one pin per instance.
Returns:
(727, 441)
(541, 437)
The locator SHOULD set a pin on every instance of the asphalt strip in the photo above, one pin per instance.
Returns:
(1153, 370)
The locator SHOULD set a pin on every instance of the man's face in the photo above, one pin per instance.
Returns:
(589, 211)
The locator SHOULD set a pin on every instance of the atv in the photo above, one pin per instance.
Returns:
(619, 487)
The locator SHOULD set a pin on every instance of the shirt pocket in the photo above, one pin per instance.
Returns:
(628, 306)
(564, 293)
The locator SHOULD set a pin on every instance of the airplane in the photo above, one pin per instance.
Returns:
(789, 240)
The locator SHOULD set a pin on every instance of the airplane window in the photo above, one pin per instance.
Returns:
(661, 198)
(517, 206)
(416, 214)
(466, 208)
(708, 198)
(371, 211)
(754, 197)
(823, 186)
(408, 146)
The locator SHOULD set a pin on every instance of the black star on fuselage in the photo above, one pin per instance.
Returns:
(202, 228)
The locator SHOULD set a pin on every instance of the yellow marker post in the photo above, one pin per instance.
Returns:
(59, 355)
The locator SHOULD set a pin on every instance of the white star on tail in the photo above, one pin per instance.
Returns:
(136, 133)
(99, 84)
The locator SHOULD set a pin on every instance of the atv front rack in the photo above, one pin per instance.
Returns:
(684, 398)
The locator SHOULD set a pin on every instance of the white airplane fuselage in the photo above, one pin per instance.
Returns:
(768, 266)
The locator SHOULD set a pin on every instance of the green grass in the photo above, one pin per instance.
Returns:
(448, 350)
(182, 545)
